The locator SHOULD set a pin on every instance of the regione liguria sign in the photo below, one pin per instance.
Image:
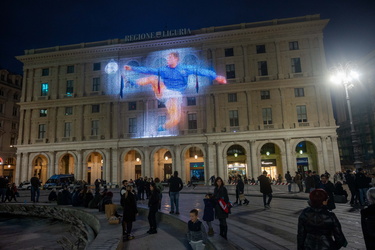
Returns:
(157, 35)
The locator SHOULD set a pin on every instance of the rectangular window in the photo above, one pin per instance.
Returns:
(132, 106)
(233, 118)
(192, 121)
(96, 84)
(96, 66)
(132, 125)
(229, 52)
(262, 68)
(15, 97)
(265, 94)
(15, 111)
(299, 92)
(1, 92)
(2, 107)
(161, 122)
(293, 45)
(14, 125)
(67, 129)
(261, 49)
(231, 71)
(95, 127)
(191, 101)
(44, 89)
(69, 88)
(42, 131)
(43, 113)
(95, 108)
(296, 65)
(267, 115)
(301, 113)
(70, 69)
(232, 97)
(161, 104)
(12, 140)
(68, 110)
(45, 72)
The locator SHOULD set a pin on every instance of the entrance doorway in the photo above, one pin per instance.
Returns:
(167, 171)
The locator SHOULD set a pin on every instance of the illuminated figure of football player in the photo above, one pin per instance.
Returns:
(168, 83)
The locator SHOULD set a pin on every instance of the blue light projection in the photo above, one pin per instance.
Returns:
(170, 74)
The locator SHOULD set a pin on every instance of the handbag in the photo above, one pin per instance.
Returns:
(242, 197)
(114, 220)
(110, 210)
(225, 206)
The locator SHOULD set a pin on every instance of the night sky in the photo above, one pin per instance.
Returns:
(28, 24)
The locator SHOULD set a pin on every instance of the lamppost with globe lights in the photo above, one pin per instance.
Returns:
(345, 75)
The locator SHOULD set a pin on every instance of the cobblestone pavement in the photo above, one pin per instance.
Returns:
(249, 227)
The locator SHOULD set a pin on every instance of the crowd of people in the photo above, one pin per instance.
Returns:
(8, 191)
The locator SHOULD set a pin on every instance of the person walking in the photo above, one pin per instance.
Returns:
(298, 181)
(368, 220)
(289, 181)
(362, 183)
(350, 181)
(265, 189)
(317, 225)
(129, 205)
(220, 192)
(153, 205)
(309, 182)
(175, 186)
(240, 189)
(35, 192)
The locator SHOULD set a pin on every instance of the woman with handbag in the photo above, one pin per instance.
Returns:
(221, 195)
(129, 205)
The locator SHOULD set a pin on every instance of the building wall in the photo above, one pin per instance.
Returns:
(10, 94)
(213, 134)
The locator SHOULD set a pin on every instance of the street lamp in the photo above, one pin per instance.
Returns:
(345, 75)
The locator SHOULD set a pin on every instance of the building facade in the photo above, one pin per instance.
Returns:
(82, 112)
(363, 112)
(10, 94)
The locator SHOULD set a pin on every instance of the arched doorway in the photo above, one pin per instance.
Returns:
(66, 164)
(163, 160)
(271, 160)
(306, 157)
(40, 164)
(236, 161)
(194, 165)
(94, 167)
(8, 168)
(132, 165)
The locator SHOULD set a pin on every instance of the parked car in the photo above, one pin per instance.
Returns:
(25, 185)
(58, 180)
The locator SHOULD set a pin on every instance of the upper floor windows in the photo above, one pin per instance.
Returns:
(132, 106)
(229, 52)
(96, 84)
(232, 97)
(69, 88)
(161, 104)
(265, 94)
(296, 65)
(95, 127)
(45, 72)
(293, 45)
(301, 113)
(41, 131)
(233, 118)
(68, 110)
(267, 116)
(95, 108)
(191, 101)
(133, 125)
(262, 68)
(299, 92)
(44, 89)
(261, 49)
(192, 121)
(70, 69)
(42, 112)
(96, 66)
(230, 71)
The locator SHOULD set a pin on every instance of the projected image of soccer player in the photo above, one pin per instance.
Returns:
(168, 83)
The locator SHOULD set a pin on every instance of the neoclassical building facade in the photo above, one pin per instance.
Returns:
(83, 113)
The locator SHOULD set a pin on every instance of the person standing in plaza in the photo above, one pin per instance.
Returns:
(160, 188)
(317, 225)
(350, 181)
(240, 187)
(368, 220)
(153, 205)
(35, 192)
(298, 181)
(362, 183)
(175, 186)
(209, 212)
(309, 182)
(220, 192)
(129, 205)
(289, 181)
(329, 188)
(265, 189)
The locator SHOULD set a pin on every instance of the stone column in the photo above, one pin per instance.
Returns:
(325, 154)
(220, 160)
(250, 166)
(53, 168)
(211, 166)
(17, 177)
(146, 163)
(255, 159)
(280, 73)
(107, 167)
(178, 163)
(336, 154)
(288, 156)
(217, 112)
(245, 63)
(78, 170)
(116, 177)
(25, 170)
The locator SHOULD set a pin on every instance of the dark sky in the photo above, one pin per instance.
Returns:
(28, 24)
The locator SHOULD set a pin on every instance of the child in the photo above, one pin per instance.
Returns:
(209, 212)
(197, 233)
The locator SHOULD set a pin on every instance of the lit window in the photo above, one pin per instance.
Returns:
(43, 113)
(44, 89)
(69, 88)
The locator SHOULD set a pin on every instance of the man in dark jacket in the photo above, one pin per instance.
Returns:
(330, 189)
(309, 182)
(175, 186)
(350, 180)
(35, 192)
(289, 180)
(362, 183)
(3, 188)
(265, 189)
